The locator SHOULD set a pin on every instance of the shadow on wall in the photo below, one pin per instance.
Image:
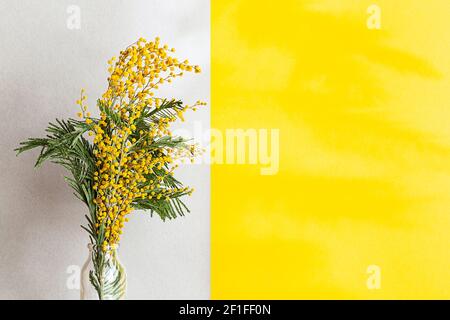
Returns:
(37, 221)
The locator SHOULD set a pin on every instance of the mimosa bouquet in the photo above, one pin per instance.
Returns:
(125, 159)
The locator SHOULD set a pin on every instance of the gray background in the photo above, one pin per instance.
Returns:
(43, 65)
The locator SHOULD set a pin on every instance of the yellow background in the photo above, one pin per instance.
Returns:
(364, 149)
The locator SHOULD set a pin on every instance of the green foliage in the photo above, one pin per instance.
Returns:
(66, 145)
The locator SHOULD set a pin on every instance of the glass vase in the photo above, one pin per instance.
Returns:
(103, 277)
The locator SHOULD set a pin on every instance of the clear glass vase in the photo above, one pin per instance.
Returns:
(103, 277)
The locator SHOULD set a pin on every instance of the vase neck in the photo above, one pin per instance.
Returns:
(112, 249)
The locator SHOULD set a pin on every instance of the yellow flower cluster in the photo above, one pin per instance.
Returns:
(140, 68)
(124, 157)
(82, 103)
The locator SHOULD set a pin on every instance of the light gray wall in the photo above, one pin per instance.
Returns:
(43, 65)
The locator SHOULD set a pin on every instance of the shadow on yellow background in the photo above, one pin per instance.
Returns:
(364, 174)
